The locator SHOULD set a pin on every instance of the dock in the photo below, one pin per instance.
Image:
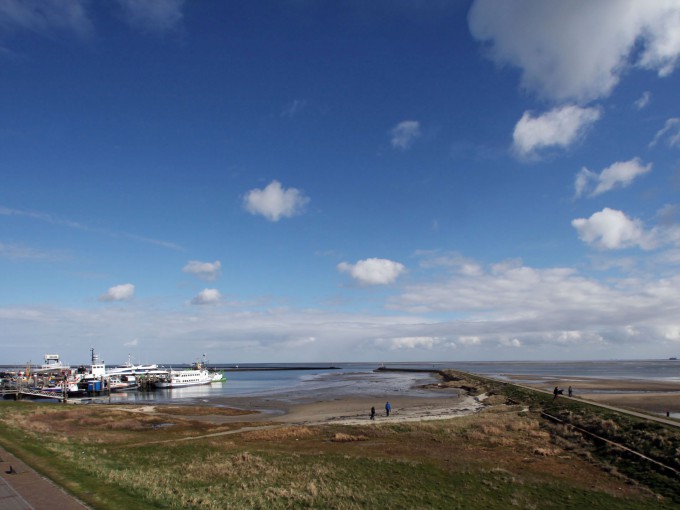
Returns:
(19, 390)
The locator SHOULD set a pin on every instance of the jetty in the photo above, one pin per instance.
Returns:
(17, 391)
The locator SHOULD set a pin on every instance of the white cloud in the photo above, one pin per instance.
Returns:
(670, 130)
(413, 342)
(132, 343)
(204, 270)
(507, 342)
(45, 16)
(612, 229)
(119, 293)
(207, 297)
(405, 133)
(274, 202)
(521, 306)
(373, 271)
(560, 127)
(583, 180)
(469, 340)
(578, 50)
(552, 312)
(454, 261)
(619, 174)
(154, 15)
(643, 101)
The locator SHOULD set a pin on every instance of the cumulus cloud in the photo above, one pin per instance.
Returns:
(153, 15)
(670, 131)
(373, 271)
(274, 202)
(203, 270)
(207, 297)
(404, 134)
(612, 229)
(578, 50)
(619, 174)
(119, 293)
(560, 127)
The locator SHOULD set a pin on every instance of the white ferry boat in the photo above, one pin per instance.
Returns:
(52, 365)
(197, 374)
(130, 372)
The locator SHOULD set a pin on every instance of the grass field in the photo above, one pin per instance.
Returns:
(505, 457)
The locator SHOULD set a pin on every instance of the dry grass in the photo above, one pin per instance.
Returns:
(278, 434)
(341, 437)
(547, 452)
(201, 411)
(495, 400)
(428, 464)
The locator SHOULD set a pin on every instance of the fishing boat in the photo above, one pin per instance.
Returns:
(115, 383)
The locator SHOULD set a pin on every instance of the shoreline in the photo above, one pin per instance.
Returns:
(353, 410)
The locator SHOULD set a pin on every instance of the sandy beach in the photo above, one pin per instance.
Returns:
(347, 410)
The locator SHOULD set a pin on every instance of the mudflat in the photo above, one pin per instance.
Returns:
(651, 396)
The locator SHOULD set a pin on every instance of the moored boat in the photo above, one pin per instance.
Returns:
(196, 375)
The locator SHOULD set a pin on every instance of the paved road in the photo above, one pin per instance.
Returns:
(24, 489)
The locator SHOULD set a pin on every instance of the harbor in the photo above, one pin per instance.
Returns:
(57, 381)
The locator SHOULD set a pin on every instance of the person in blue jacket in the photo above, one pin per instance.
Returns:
(388, 408)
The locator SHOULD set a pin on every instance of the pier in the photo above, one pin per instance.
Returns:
(19, 390)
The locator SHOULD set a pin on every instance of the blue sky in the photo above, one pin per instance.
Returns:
(339, 181)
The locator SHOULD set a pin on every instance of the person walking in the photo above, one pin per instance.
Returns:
(570, 391)
(373, 413)
(388, 408)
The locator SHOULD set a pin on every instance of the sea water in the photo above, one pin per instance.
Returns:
(361, 378)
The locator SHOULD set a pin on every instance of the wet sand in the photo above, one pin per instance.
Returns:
(356, 410)
(347, 398)
(657, 397)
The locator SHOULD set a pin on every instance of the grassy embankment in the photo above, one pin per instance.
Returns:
(504, 457)
(589, 431)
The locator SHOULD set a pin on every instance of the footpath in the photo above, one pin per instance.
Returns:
(22, 488)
